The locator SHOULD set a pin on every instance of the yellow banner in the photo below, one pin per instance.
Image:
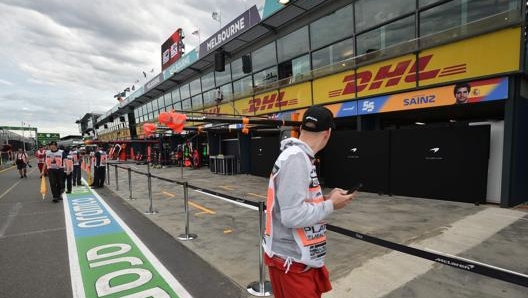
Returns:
(490, 54)
(226, 108)
(242, 107)
(332, 88)
(275, 101)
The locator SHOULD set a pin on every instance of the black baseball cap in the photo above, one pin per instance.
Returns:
(317, 118)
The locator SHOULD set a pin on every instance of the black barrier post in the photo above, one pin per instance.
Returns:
(117, 184)
(262, 287)
(130, 183)
(187, 235)
(149, 185)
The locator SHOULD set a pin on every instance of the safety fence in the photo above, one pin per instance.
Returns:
(263, 287)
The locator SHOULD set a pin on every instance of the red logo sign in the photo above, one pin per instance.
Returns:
(392, 74)
(269, 102)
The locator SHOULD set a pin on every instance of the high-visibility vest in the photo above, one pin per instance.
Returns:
(40, 155)
(54, 159)
(68, 163)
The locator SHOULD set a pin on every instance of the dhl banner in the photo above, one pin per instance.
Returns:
(490, 54)
(226, 108)
(288, 98)
(484, 90)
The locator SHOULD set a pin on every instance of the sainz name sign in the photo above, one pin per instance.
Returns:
(106, 258)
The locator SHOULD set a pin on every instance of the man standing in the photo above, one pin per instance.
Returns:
(100, 167)
(40, 154)
(55, 166)
(68, 170)
(295, 235)
(76, 174)
(21, 160)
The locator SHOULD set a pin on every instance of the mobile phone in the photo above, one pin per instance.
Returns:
(355, 188)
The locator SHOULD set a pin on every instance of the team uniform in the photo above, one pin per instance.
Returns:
(55, 167)
(76, 174)
(68, 170)
(100, 168)
(295, 234)
(41, 157)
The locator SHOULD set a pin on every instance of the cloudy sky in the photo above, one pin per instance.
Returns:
(60, 59)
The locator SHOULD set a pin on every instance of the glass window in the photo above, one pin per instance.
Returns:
(209, 97)
(370, 13)
(478, 9)
(227, 91)
(236, 67)
(149, 107)
(264, 57)
(301, 65)
(242, 86)
(423, 3)
(168, 100)
(196, 87)
(175, 95)
(332, 27)
(332, 54)
(440, 18)
(208, 81)
(161, 102)
(223, 77)
(177, 106)
(186, 105)
(265, 77)
(293, 44)
(184, 91)
(153, 105)
(197, 102)
(386, 36)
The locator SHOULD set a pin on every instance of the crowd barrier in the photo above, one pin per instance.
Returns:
(263, 287)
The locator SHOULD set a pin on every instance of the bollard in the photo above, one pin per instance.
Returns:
(187, 235)
(149, 186)
(116, 177)
(262, 287)
(130, 184)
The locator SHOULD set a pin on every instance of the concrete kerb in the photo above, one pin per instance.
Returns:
(226, 232)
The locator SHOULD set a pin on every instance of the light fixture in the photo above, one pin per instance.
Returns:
(284, 2)
(419, 123)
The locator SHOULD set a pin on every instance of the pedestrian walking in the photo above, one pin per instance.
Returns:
(21, 161)
(40, 154)
(295, 234)
(76, 174)
(54, 164)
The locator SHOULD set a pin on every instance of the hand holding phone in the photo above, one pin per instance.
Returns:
(355, 188)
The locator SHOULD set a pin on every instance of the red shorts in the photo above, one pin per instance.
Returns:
(298, 282)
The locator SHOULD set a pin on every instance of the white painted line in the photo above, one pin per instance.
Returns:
(13, 212)
(75, 269)
(9, 189)
(228, 200)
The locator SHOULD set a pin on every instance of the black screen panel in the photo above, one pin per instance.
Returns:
(448, 163)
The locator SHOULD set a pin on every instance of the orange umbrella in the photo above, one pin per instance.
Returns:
(43, 187)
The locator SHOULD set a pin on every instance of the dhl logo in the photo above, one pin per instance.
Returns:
(391, 75)
(269, 102)
(212, 110)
